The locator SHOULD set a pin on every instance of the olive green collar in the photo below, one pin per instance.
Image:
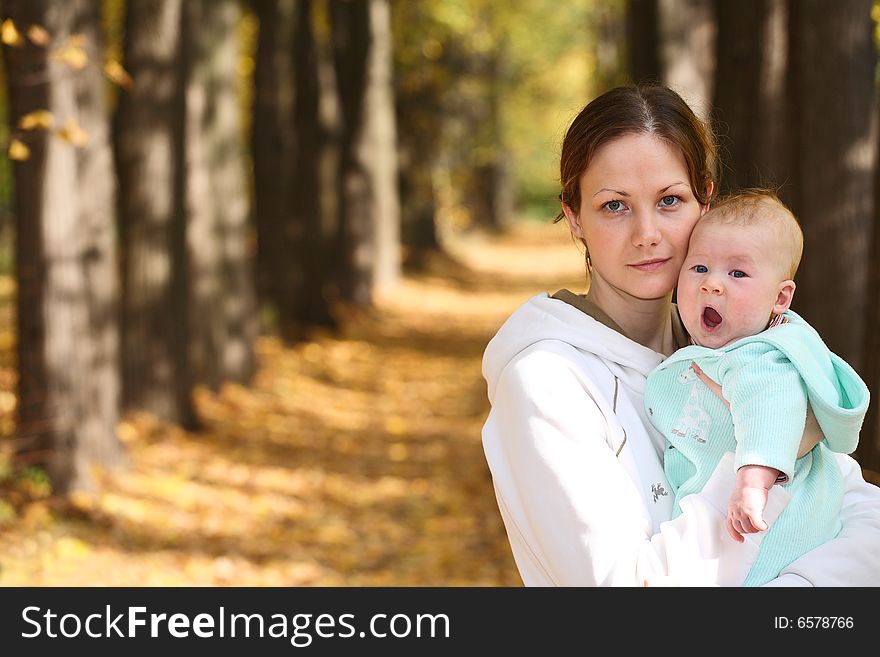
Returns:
(680, 336)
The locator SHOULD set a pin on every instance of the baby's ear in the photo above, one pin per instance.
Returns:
(784, 297)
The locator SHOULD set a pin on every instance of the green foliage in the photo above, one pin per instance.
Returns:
(542, 56)
(36, 479)
(7, 513)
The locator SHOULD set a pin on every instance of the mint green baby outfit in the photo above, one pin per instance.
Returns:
(768, 379)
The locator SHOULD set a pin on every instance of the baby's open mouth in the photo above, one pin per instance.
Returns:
(711, 317)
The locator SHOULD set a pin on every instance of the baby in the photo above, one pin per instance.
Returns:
(734, 293)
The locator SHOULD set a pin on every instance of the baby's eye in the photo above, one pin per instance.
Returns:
(738, 273)
(700, 269)
(614, 206)
(669, 201)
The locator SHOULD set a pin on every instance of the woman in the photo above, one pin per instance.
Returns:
(575, 463)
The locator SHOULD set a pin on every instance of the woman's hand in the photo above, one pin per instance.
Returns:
(812, 432)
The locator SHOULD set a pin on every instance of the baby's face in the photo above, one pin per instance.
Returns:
(730, 283)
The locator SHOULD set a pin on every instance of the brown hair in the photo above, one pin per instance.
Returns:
(758, 206)
(646, 108)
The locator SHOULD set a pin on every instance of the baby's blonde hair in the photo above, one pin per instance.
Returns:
(757, 206)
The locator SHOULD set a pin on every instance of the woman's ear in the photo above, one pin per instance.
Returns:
(784, 297)
(709, 189)
(573, 224)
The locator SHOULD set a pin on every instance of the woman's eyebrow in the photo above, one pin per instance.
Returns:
(680, 182)
(613, 191)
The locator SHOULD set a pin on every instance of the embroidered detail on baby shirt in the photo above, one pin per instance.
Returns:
(694, 421)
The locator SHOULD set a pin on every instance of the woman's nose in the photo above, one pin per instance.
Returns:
(646, 232)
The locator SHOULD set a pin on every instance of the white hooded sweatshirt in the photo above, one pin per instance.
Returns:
(578, 472)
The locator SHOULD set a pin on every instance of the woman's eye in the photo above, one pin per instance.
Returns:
(738, 273)
(700, 269)
(614, 206)
(669, 201)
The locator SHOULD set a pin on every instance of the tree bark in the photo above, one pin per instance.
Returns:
(643, 40)
(151, 169)
(379, 151)
(868, 452)
(317, 204)
(749, 101)
(223, 321)
(832, 111)
(272, 143)
(351, 45)
(419, 108)
(66, 329)
(609, 29)
(687, 50)
(96, 204)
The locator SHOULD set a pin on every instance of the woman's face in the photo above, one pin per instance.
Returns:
(636, 216)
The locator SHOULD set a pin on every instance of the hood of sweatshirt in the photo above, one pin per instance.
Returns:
(545, 318)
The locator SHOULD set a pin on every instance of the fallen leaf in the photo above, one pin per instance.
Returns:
(41, 118)
(118, 74)
(72, 55)
(18, 150)
(38, 35)
(72, 133)
(10, 35)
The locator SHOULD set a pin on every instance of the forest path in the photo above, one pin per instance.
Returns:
(352, 460)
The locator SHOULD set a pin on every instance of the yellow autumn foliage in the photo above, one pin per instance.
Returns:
(72, 133)
(72, 54)
(10, 35)
(38, 35)
(115, 71)
(37, 119)
(18, 150)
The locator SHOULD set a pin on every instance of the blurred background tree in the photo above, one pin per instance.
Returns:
(274, 167)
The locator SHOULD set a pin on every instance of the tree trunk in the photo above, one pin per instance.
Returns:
(67, 408)
(150, 162)
(476, 132)
(419, 99)
(772, 133)
(222, 309)
(687, 50)
(832, 113)
(272, 152)
(749, 95)
(868, 452)
(351, 44)
(609, 26)
(379, 151)
(97, 220)
(316, 204)
(643, 40)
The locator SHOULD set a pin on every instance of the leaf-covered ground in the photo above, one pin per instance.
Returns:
(353, 459)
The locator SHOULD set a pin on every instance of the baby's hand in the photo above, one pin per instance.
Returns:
(745, 511)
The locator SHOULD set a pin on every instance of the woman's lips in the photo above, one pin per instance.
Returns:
(650, 265)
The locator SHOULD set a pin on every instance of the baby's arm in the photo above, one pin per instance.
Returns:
(768, 404)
